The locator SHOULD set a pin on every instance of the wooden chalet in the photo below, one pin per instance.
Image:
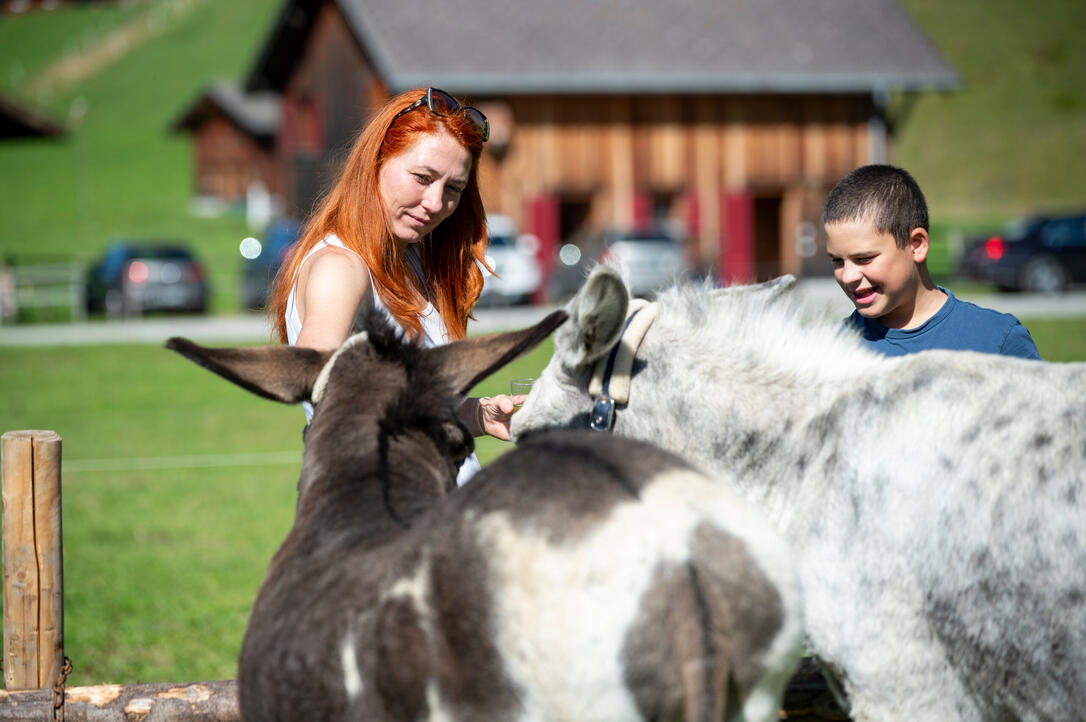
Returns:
(235, 135)
(730, 119)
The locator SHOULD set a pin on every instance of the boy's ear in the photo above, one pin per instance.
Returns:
(919, 244)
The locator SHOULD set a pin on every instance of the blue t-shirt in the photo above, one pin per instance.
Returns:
(958, 326)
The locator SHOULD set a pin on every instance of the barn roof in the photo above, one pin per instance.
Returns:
(256, 114)
(625, 46)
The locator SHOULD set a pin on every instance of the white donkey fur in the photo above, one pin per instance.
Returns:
(935, 502)
(564, 616)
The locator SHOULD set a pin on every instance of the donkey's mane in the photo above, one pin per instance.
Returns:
(777, 330)
(405, 411)
(386, 340)
(409, 408)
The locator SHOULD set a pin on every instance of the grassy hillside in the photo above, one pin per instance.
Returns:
(1012, 139)
(121, 172)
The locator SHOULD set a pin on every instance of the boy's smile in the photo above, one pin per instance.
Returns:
(878, 276)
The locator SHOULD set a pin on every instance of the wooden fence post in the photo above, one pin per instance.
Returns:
(32, 558)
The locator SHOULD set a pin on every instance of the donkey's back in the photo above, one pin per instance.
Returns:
(591, 578)
(576, 578)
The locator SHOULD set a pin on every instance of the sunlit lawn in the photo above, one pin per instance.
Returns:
(162, 563)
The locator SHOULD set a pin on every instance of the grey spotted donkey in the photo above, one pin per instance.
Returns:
(935, 503)
(575, 578)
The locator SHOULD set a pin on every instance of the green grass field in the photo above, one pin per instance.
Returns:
(1010, 140)
(178, 488)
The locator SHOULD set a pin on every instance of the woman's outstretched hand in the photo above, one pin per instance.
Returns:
(494, 414)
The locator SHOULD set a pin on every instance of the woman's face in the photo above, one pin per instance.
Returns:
(421, 186)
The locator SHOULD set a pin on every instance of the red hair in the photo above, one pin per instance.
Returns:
(353, 210)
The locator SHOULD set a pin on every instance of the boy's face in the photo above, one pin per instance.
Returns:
(880, 278)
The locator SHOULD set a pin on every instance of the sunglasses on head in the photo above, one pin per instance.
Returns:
(444, 105)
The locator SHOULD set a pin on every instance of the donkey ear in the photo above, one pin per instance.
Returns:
(597, 314)
(279, 373)
(467, 362)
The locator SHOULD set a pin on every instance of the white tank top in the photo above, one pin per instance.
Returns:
(434, 332)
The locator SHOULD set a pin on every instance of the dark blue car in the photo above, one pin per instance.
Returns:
(1042, 254)
(261, 261)
(133, 277)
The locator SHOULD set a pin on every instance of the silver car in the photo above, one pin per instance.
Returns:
(517, 273)
(132, 278)
(650, 259)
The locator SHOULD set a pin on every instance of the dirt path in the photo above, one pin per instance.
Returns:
(151, 22)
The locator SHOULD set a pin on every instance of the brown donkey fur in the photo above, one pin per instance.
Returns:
(574, 578)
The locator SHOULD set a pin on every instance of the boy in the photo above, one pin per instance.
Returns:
(876, 223)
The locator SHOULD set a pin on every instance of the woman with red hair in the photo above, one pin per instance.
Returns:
(404, 223)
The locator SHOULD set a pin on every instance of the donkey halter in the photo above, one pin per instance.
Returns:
(610, 383)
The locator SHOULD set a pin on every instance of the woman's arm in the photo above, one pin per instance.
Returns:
(330, 286)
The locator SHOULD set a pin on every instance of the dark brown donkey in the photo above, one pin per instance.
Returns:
(574, 578)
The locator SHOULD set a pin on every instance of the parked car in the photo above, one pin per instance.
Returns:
(517, 273)
(1041, 254)
(574, 258)
(261, 260)
(133, 277)
(652, 259)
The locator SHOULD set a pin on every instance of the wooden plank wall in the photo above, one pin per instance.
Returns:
(570, 142)
(694, 148)
(227, 160)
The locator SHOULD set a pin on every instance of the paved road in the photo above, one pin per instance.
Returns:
(209, 329)
(254, 328)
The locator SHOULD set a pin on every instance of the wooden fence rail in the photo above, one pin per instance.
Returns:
(194, 702)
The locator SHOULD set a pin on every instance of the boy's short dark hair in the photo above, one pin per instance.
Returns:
(887, 196)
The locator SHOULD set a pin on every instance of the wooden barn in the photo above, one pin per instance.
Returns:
(235, 135)
(727, 119)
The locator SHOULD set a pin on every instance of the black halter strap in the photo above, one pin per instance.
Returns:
(603, 412)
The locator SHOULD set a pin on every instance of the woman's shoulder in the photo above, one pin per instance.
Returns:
(330, 255)
(331, 268)
(342, 254)
(334, 265)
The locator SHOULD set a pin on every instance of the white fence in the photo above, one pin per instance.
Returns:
(55, 285)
